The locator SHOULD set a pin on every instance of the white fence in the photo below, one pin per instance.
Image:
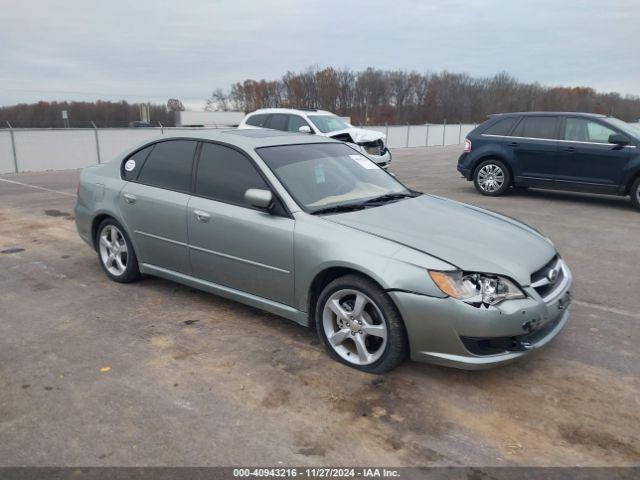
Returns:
(40, 149)
(24, 150)
(403, 136)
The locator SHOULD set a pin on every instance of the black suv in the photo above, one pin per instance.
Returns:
(563, 151)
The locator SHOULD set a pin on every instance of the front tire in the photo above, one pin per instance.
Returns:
(635, 194)
(492, 178)
(360, 326)
(115, 252)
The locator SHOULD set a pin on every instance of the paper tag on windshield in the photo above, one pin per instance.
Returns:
(364, 162)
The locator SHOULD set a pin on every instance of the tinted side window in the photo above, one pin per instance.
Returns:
(598, 132)
(225, 174)
(295, 122)
(279, 121)
(257, 120)
(536, 127)
(583, 130)
(169, 165)
(501, 127)
(132, 165)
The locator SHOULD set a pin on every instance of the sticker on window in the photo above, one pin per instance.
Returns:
(364, 162)
(320, 176)
(130, 165)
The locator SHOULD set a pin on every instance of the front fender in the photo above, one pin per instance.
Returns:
(321, 245)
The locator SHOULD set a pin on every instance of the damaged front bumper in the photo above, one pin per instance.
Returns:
(382, 160)
(448, 332)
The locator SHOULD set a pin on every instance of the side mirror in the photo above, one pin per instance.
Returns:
(305, 129)
(619, 139)
(259, 198)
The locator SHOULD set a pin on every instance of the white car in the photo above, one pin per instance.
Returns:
(370, 143)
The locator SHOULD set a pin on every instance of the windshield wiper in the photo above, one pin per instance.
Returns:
(388, 197)
(340, 208)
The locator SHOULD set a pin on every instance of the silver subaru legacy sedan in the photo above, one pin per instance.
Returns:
(309, 229)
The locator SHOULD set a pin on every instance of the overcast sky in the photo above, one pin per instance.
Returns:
(151, 50)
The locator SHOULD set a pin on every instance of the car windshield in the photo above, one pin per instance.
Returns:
(328, 123)
(322, 176)
(624, 126)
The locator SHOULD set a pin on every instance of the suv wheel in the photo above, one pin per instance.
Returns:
(635, 193)
(116, 253)
(360, 326)
(492, 178)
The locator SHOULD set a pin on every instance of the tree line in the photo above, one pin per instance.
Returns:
(375, 96)
(82, 114)
(370, 96)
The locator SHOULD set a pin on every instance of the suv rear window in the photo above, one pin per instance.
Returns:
(537, 127)
(257, 120)
(169, 165)
(279, 121)
(501, 127)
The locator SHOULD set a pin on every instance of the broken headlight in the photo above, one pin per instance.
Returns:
(476, 288)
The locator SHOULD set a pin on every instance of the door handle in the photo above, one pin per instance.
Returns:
(131, 199)
(513, 144)
(202, 216)
(570, 149)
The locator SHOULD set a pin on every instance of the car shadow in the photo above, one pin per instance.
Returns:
(622, 203)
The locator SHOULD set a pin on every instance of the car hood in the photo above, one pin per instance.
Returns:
(467, 237)
(360, 135)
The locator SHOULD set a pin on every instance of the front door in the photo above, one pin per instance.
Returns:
(587, 160)
(535, 150)
(154, 204)
(231, 243)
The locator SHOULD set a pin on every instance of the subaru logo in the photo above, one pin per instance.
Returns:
(552, 276)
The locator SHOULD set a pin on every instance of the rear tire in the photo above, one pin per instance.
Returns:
(115, 252)
(492, 178)
(635, 194)
(360, 326)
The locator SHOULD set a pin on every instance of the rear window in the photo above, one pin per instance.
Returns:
(279, 121)
(537, 127)
(501, 127)
(169, 165)
(257, 120)
(132, 165)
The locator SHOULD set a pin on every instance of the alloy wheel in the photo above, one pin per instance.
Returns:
(354, 327)
(491, 178)
(113, 250)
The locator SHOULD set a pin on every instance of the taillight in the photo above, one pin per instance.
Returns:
(467, 145)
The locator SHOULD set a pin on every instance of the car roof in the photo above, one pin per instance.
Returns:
(542, 114)
(303, 111)
(250, 138)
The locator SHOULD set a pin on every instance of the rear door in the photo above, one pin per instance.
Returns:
(278, 121)
(154, 204)
(587, 160)
(232, 243)
(295, 122)
(535, 149)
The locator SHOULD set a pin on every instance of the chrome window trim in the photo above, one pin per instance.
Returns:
(554, 140)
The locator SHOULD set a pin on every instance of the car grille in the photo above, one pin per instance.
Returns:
(373, 148)
(550, 280)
